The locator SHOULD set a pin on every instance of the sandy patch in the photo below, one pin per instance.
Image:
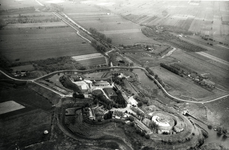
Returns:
(86, 57)
(9, 106)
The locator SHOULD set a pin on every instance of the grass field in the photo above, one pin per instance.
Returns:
(24, 126)
(180, 86)
(24, 129)
(35, 44)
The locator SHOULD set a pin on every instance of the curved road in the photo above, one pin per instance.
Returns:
(114, 67)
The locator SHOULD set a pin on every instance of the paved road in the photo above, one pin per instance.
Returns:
(67, 20)
(121, 67)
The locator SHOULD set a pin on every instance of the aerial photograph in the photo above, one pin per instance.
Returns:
(114, 75)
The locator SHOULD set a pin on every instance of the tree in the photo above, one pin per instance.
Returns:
(139, 104)
(224, 131)
(147, 136)
(219, 131)
(109, 40)
(131, 118)
(153, 125)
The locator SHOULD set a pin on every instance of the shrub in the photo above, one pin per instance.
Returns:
(147, 136)
(210, 127)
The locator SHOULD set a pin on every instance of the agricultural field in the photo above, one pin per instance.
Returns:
(181, 87)
(184, 87)
(120, 30)
(217, 50)
(93, 62)
(217, 72)
(23, 104)
(16, 4)
(90, 59)
(146, 59)
(202, 18)
(42, 44)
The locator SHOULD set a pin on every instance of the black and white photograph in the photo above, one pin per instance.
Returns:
(114, 75)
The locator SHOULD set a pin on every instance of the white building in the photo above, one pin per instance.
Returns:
(132, 101)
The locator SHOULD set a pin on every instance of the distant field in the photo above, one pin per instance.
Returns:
(36, 25)
(34, 44)
(14, 4)
(206, 17)
(120, 30)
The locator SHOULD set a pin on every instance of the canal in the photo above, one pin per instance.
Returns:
(212, 135)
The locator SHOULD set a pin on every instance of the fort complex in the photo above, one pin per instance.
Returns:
(114, 74)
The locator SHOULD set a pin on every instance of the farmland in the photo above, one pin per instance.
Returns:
(42, 44)
(217, 72)
(25, 125)
(202, 18)
(120, 30)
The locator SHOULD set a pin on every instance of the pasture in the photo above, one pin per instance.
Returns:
(36, 44)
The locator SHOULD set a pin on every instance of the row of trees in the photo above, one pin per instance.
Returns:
(99, 47)
(172, 69)
(100, 36)
(150, 71)
(67, 83)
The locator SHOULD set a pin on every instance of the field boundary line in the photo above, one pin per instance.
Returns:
(77, 31)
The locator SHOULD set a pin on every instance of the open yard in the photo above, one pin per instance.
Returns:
(35, 44)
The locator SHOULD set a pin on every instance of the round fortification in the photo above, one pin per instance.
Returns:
(164, 121)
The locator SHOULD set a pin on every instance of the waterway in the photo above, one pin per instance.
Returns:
(143, 79)
(212, 135)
